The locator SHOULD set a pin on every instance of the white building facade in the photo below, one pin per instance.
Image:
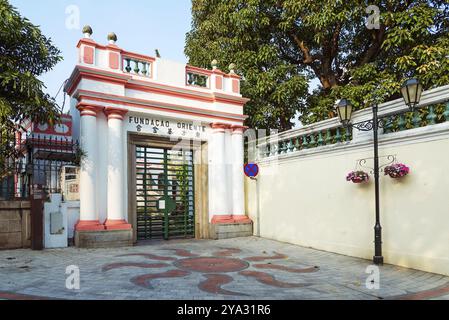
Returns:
(162, 146)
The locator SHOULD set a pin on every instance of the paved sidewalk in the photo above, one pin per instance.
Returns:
(244, 268)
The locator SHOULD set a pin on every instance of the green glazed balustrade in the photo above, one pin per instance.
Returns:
(422, 117)
(196, 79)
(309, 141)
(137, 67)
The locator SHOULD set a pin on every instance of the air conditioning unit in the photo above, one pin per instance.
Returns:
(70, 182)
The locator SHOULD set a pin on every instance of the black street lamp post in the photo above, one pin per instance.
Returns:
(411, 92)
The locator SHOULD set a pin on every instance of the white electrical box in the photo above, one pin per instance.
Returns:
(70, 183)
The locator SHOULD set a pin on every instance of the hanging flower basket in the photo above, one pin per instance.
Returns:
(397, 170)
(357, 177)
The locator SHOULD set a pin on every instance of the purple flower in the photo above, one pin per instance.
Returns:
(397, 170)
(357, 176)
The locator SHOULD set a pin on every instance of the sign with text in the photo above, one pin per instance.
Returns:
(167, 127)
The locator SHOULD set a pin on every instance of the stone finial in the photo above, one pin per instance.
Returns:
(112, 37)
(87, 31)
(214, 64)
(232, 68)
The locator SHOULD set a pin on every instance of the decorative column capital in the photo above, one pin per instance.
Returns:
(86, 110)
(238, 129)
(220, 127)
(115, 113)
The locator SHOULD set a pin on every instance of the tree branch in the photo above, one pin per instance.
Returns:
(308, 59)
(378, 37)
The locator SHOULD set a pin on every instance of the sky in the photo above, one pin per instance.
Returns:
(141, 26)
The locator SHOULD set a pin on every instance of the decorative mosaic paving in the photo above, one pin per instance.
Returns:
(218, 269)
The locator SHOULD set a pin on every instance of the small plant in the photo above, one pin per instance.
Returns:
(357, 176)
(79, 155)
(397, 170)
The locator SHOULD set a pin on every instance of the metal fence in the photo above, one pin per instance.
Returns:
(33, 164)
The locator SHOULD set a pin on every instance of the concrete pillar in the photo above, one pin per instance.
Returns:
(219, 209)
(238, 190)
(116, 219)
(88, 171)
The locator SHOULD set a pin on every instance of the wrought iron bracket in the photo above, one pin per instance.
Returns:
(389, 160)
(368, 125)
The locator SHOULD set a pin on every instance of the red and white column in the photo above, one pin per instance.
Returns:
(219, 207)
(88, 172)
(238, 189)
(116, 219)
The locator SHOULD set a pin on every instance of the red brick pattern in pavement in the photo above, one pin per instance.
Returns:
(424, 295)
(145, 280)
(284, 268)
(182, 252)
(262, 258)
(213, 284)
(212, 264)
(119, 265)
(339, 278)
(17, 296)
(226, 252)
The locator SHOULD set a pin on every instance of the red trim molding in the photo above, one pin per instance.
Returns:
(238, 129)
(148, 104)
(219, 82)
(87, 110)
(241, 219)
(137, 56)
(220, 126)
(88, 225)
(116, 48)
(114, 60)
(117, 225)
(115, 113)
(88, 55)
(230, 219)
(198, 70)
(95, 225)
(83, 72)
(235, 86)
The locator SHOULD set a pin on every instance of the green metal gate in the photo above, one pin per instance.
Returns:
(165, 193)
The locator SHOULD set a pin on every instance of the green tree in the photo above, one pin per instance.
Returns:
(25, 54)
(280, 45)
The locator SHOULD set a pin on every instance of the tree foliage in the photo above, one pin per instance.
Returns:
(280, 45)
(25, 54)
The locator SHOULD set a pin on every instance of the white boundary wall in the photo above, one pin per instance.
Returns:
(303, 198)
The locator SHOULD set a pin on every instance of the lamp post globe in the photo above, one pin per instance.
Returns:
(344, 109)
(411, 92)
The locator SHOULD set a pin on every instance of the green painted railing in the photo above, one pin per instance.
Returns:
(137, 67)
(331, 133)
(307, 141)
(197, 79)
(427, 116)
